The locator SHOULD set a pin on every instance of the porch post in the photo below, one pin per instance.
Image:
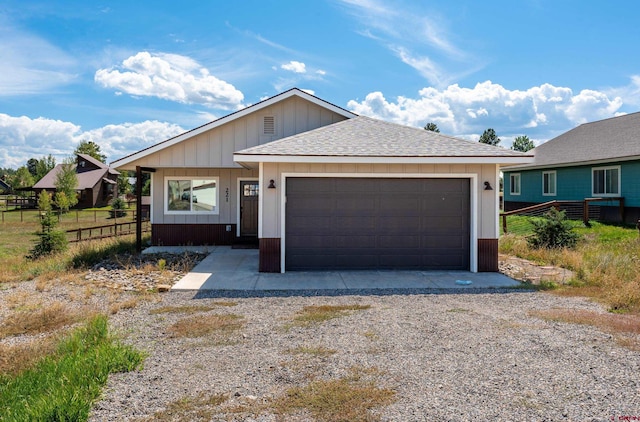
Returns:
(138, 209)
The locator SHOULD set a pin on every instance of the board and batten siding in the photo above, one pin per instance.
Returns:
(215, 147)
(486, 200)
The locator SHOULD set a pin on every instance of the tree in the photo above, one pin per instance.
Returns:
(66, 184)
(50, 240)
(124, 187)
(522, 144)
(44, 166)
(432, 127)
(92, 149)
(489, 137)
(32, 165)
(552, 231)
(22, 178)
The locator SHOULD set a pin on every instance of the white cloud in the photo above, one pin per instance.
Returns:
(171, 77)
(321, 72)
(309, 91)
(541, 112)
(417, 35)
(30, 64)
(295, 67)
(22, 138)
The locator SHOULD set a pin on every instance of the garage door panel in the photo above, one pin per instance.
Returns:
(377, 223)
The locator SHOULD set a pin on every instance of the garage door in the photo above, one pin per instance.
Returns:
(368, 223)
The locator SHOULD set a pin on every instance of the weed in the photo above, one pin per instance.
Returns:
(318, 351)
(319, 313)
(200, 326)
(127, 304)
(626, 326)
(162, 264)
(349, 398)
(188, 309)
(16, 358)
(198, 408)
(64, 385)
(37, 321)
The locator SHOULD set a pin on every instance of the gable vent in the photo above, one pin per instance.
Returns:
(269, 125)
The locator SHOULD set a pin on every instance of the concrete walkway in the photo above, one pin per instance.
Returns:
(237, 269)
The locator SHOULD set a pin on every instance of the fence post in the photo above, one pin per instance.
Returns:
(94, 216)
(621, 201)
(76, 216)
(585, 212)
(504, 224)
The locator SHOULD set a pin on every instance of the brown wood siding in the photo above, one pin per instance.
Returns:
(270, 255)
(488, 255)
(192, 234)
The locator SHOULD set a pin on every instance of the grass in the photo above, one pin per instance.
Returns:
(36, 321)
(204, 325)
(189, 309)
(63, 386)
(187, 409)
(350, 398)
(626, 327)
(606, 264)
(316, 314)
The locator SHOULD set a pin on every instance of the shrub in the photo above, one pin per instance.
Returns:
(51, 240)
(117, 208)
(553, 231)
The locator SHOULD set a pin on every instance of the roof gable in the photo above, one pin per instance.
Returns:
(614, 139)
(229, 118)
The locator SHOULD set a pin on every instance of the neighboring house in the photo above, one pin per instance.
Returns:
(97, 183)
(594, 160)
(4, 187)
(321, 188)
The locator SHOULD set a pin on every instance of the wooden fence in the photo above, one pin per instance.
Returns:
(104, 231)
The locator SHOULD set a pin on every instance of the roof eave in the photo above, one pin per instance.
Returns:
(252, 159)
(518, 167)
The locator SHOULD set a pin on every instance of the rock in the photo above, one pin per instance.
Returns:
(163, 288)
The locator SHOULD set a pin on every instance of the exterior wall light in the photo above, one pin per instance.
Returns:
(272, 184)
(487, 186)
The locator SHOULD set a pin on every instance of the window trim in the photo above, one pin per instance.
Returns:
(555, 183)
(593, 181)
(511, 184)
(215, 211)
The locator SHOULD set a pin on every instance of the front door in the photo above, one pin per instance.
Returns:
(249, 208)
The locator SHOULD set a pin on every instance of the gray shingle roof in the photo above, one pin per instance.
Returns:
(367, 137)
(603, 140)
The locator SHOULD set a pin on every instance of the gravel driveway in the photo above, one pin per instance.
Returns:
(447, 356)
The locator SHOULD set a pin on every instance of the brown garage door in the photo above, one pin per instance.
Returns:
(367, 223)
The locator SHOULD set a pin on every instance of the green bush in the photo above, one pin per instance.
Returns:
(50, 240)
(117, 208)
(553, 231)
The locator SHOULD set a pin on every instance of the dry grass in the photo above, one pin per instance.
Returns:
(49, 318)
(189, 309)
(318, 351)
(606, 264)
(130, 303)
(625, 327)
(23, 301)
(350, 398)
(15, 359)
(316, 314)
(205, 325)
(198, 408)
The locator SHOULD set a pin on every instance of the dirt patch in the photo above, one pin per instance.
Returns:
(530, 272)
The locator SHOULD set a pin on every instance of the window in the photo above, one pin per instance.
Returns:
(549, 183)
(606, 181)
(187, 195)
(514, 184)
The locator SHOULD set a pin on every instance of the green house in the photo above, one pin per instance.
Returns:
(594, 160)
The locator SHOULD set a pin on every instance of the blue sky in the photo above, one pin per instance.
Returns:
(129, 74)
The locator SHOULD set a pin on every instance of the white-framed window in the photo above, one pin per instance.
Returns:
(606, 181)
(191, 195)
(514, 183)
(549, 183)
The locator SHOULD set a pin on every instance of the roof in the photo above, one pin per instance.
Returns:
(86, 179)
(614, 139)
(363, 138)
(228, 118)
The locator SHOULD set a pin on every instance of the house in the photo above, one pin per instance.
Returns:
(4, 187)
(321, 188)
(594, 160)
(97, 183)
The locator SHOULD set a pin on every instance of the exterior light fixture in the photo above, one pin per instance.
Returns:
(487, 186)
(272, 184)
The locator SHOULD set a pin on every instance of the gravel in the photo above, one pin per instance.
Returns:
(448, 356)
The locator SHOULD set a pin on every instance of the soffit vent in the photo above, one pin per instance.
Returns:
(269, 125)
